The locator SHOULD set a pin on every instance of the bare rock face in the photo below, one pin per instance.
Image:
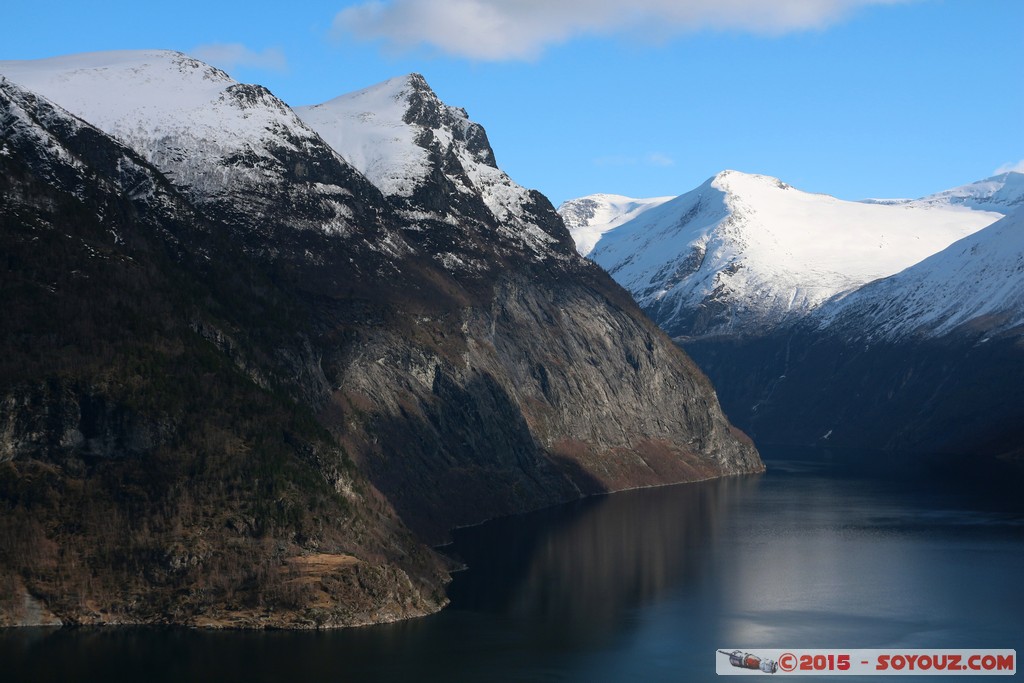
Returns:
(228, 416)
(530, 377)
(543, 397)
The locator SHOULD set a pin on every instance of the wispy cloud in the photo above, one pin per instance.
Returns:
(659, 159)
(651, 159)
(507, 30)
(229, 56)
(1011, 166)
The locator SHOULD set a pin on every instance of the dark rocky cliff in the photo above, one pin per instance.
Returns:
(205, 423)
(151, 470)
(948, 406)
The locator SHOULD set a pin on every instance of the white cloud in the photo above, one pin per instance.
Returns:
(1006, 168)
(521, 29)
(229, 56)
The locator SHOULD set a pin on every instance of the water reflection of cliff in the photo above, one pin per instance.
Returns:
(587, 564)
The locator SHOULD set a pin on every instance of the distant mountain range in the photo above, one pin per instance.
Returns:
(255, 359)
(878, 325)
(743, 252)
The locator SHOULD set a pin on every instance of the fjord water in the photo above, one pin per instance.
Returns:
(641, 585)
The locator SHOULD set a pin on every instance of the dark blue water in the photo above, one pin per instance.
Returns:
(638, 586)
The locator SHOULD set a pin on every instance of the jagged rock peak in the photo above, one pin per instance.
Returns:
(433, 161)
(402, 100)
(427, 110)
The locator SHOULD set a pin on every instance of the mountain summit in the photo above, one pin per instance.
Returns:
(434, 162)
(231, 147)
(745, 252)
(388, 130)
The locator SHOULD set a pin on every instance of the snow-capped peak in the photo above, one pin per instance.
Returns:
(177, 111)
(744, 251)
(211, 135)
(388, 131)
(402, 137)
(141, 79)
(369, 129)
(141, 96)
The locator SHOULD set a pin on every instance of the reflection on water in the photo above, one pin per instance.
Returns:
(588, 564)
(642, 585)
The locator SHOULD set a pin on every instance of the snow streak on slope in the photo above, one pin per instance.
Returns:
(210, 134)
(399, 134)
(592, 216)
(977, 281)
(744, 252)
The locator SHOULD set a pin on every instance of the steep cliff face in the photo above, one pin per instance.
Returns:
(540, 379)
(546, 395)
(261, 384)
(148, 471)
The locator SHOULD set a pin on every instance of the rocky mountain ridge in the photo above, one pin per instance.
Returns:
(293, 363)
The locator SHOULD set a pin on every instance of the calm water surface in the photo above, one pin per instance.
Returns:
(638, 586)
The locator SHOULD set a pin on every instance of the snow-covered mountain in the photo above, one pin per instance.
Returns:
(924, 361)
(588, 218)
(380, 130)
(744, 253)
(214, 137)
(403, 138)
(976, 283)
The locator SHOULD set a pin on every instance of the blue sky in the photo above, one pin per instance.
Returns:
(856, 98)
